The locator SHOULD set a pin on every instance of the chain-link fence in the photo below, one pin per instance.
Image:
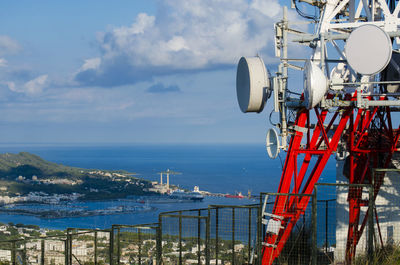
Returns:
(287, 228)
(184, 237)
(8, 251)
(385, 219)
(343, 233)
(88, 246)
(332, 226)
(219, 234)
(49, 250)
(134, 244)
(44, 250)
(234, 234)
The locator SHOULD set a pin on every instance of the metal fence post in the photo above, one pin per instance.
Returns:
(13, 253)
(112, 245)
(259, 236)
(207, 250)
(180, 238)
(249, 238)
(42, 252)
(314, 228)
(198, 236)
(371, 218)
(326, 226)
(304, 240)
(118, 246)
(216, 234)
(95, 248)
(233, 236)
(24, 255)
(159, 240)
(140, 246)
(69, 230)
(66, 250)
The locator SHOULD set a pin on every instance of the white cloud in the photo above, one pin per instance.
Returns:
(267, 8)
(36, 85)
(3, 62)
(8, 45)
(183, 36)
(12, 86)
(92, 63)
(32, 87)
(176, 44)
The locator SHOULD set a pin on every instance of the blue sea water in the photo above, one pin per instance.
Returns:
(214, 168)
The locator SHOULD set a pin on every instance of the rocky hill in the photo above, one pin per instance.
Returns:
(23, 173)
(28, 165)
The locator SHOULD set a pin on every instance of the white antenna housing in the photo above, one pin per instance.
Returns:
(272, 143)
(368, 49)
(315, 84)
(252, 81)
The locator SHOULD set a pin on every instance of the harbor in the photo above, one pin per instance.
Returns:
(174, 192)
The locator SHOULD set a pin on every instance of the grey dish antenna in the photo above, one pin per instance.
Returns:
(272, 143)
(368, 49)
(252, 83)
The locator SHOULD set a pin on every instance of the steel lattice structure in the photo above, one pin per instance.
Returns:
(370, 141)
(351, 116)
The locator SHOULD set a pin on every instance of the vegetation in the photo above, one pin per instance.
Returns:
(387, 255)
(23, 173)
(26, 164)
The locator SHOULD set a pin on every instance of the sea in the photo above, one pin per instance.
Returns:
(217, 168)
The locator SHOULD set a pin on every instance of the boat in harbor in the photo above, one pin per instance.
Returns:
(182, 195)
(238, 195)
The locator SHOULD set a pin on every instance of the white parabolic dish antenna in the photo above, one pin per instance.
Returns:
(315, 84)
(251, 84)
(272, 143)
(368, 49)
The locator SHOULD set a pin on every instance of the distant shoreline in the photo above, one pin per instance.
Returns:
(65, 209)
(76, 211)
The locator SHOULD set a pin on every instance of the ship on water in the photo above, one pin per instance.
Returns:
(182, 195)
(238, 195)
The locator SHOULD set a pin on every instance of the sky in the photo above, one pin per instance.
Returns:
(130, 71)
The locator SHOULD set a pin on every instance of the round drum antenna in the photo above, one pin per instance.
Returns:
(315, 84)
(252, 82)
(272, 143)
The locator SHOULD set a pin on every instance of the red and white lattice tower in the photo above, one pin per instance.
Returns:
(345, 108)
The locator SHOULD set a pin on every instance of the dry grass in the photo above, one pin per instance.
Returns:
(388, 255)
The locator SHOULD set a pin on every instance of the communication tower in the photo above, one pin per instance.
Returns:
(350, 91)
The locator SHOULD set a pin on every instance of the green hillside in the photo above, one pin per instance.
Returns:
(23, 173)
(27, 165)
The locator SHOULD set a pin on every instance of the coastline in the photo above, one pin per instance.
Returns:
(73, 211)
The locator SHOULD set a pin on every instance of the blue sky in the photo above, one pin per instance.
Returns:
(138, 71)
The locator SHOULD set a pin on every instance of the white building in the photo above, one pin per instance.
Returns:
(387, 206)
(54, 245)
(5, 255)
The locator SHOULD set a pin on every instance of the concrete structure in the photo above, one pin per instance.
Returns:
(387, 206)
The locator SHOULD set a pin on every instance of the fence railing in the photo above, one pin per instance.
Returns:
(290, 208)
(134, 244)
(184, 239)
(219, 234)
(332, 243)
(235, 234)
(87, 246)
